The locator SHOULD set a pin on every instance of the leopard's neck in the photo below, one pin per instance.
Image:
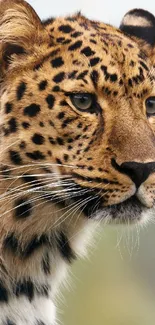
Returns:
(29, 286)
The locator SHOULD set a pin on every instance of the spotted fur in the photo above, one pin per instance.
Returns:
(63, 168)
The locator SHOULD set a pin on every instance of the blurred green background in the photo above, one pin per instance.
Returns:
(115, 285)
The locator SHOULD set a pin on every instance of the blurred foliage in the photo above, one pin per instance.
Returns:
(116, 286)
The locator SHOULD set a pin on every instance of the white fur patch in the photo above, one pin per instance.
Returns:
(131, 20)
(22, 312)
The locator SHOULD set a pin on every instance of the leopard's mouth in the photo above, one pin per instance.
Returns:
(92, 206)
(129, 210)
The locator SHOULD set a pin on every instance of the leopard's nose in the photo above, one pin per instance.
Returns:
(138, 172)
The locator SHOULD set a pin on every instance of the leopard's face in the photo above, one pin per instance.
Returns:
(82, 111)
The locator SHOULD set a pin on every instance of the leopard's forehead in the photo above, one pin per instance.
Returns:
(85, 48)
(89, 38)
(88, 56)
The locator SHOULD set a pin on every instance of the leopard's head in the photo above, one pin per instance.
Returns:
(78, 112)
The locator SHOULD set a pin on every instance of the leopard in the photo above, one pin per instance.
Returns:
(77, 145)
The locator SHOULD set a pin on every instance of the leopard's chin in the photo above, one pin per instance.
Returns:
(130, 211)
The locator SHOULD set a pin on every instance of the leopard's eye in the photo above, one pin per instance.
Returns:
(150, 106)
(82, 102)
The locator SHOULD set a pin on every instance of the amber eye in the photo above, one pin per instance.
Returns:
(150, 106)
(82, 102)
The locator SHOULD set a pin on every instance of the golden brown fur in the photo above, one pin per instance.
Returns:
(59, 145)
(119, 130)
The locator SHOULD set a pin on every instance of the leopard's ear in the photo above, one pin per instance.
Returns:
(139, 23)
(20, 30)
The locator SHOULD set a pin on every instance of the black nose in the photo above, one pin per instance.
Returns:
(138, 172)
